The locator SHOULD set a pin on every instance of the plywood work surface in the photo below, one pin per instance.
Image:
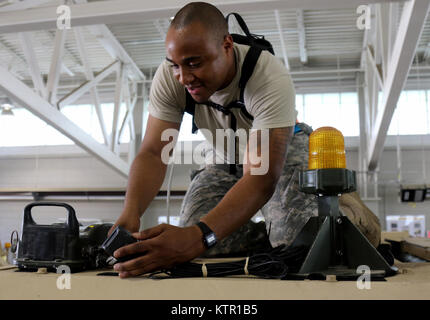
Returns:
(412, 282)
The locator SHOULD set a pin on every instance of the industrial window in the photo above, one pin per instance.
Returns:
(411, 114)
(174, 220)
(317, 110)
(339, 110)
(24, 129)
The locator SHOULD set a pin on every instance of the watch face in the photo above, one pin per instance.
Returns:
(211, 240)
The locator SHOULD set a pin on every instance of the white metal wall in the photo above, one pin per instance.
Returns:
(85, 173)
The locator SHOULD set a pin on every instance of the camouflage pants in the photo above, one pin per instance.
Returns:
(285, 213)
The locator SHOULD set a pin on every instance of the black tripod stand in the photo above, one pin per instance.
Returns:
(336, 246)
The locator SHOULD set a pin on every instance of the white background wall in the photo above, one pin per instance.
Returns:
(48, 168)
(69, 168)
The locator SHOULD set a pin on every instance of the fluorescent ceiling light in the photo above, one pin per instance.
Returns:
(6, 110)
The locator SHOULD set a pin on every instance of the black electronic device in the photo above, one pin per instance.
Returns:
(119, 237)
(54, 245)
(413, 193)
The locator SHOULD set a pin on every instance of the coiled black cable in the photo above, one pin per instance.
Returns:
(275, 264)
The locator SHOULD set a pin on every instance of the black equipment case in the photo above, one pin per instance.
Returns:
(51, 246)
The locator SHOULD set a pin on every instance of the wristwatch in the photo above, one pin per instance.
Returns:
(209, 237)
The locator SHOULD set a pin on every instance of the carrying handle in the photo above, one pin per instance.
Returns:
(241, 22)
(72, 221)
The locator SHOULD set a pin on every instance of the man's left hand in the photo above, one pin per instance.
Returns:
(161, 247)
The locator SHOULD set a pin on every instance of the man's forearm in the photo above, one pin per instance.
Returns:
(238, 205)
(147, 174)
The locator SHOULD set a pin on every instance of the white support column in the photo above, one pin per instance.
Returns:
(33, 65)
(117, 107)
(370, 89)
(128, 117)
(374, 85)
(375, 102)
(410, 28)
(392, 31)
(362, 148)
(302, 36)
(136, 140)
(26, 97)
(69, 53)
(90, 76)
(384, 23)
(54, 71)
(375, 67)
(129, 112)
(364, 48)
(281, 38)
(88, 85)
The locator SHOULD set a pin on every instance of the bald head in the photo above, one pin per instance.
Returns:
(205, 14)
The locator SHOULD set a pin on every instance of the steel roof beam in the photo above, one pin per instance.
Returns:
(21, 5)
(26, 97)
(411, 25)
(116, 50)
(86, 86)
(302, 36)
(12, 65)
(112, 45)
(127, 11)
(120, 79)
(55, 68)
(90, 76)
(281, 38)
(31, 59)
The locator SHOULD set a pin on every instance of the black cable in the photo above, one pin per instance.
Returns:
(275, 264)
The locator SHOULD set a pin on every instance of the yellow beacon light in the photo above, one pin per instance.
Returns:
(326, 149)
(336, 246)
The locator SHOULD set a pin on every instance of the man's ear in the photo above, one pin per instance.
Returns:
(228, 42)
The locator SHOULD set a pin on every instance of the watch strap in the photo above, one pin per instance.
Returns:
(209, 237)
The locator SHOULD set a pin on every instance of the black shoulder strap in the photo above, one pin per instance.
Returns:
(248, 67)
(241, 22)
(253, 40)
(247, 70)
(190, 107)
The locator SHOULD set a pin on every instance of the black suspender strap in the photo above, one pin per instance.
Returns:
(247, 70)
(241, 22)
(233, 125)
(190, 107)
(248, 67)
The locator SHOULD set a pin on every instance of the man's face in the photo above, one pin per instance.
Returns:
(200, 63)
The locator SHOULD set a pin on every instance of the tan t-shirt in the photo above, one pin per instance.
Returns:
(269, 97)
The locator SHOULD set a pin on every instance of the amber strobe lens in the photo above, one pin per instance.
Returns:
(326, 149)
